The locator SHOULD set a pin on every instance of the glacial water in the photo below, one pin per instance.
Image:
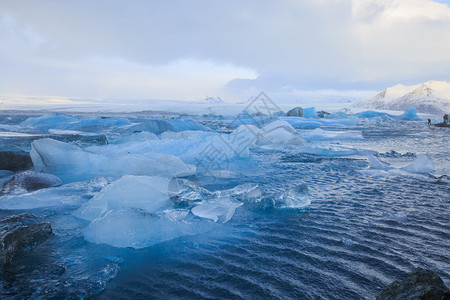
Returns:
(309, 220)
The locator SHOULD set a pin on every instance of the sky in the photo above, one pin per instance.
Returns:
(186, 50)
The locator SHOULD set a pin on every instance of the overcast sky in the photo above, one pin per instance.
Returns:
(125, 50)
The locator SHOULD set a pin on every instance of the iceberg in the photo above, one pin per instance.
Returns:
(309, 112)
(68, 195)
(139, 229)
(278, 135)
(298, 122)
(72, 163)
(61, 121)
(52, 121)
(422, 165)
(159, 126)
(149, 193)
(410, 114)
(30, 181)
(136, 137)
(319, 134)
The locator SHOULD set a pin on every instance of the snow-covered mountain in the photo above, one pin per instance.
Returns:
(432, 97)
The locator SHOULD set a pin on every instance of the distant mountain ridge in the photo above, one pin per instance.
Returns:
(215, 100)
(432, 97)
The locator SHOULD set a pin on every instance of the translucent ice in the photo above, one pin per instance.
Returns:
(47, 122)
(309, 112)
(149, 193)
(247, 192)
(72, 163)
(375, 163)
(422, 165)
(219, 210)
(296, 197)
(138, 229)
(66, 195)
(184, 193)
(136, 137)
(61, 121)
(319, 134)
(278, 135)
(298, 122)
(410, 114)
(159, 126)
(30, 181)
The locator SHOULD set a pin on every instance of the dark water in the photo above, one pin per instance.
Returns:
(363, 229)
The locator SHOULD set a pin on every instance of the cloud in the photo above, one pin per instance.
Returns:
(188, 49)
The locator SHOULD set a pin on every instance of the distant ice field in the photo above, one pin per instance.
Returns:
(232, 206)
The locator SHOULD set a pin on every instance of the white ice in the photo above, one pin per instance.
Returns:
(72, 163)
(219, 210)
(319, 134)
(139, 229)
(149, 193)
(422, 165)
(377, 164)
(278, 135)
(295, 197)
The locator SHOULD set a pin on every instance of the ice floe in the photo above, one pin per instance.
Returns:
(72, 163)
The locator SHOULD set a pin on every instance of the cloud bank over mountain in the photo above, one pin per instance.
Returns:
(193, 49)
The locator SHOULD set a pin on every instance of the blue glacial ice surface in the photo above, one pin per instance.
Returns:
(204, 207)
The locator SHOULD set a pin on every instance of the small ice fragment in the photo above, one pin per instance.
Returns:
(183, 192)
(346, 242)
(296, 197)
(139, 229)
(422, 165)
(375, 163)
(220, 210)
(30, 181)
(278, 135)
(113, 259)
(145, 192)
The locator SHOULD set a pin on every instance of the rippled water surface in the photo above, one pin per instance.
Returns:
(363, 229)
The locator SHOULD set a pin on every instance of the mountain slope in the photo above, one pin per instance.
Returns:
(432, 97)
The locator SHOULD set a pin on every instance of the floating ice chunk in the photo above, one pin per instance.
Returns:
(278, 135)
(187, 135)
(158, 126)
(296, 197)
(183, 192)
(309, 112)
(47, 122)
(375, 163)
(335, 150)
(410, 114)
(62, 196)
(149, 193)
(319, 134)
(298, 122)
(422, 165)
(220, 210)
(30, 181)
(140, 229)
(61, 121)
(71, 163)
(136, 137)
(222, 174)
(247, 192)
(372, 114)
